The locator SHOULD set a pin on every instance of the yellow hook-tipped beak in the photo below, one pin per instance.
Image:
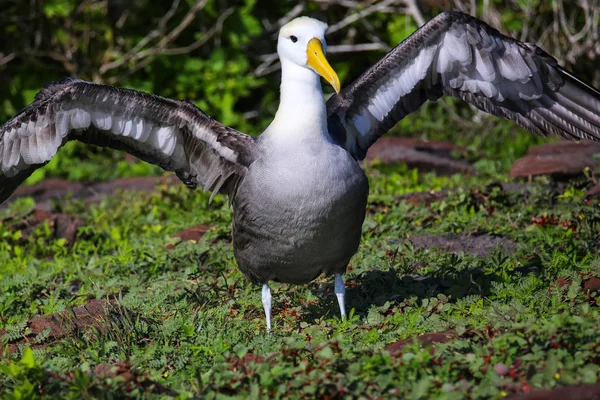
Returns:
(318, 62)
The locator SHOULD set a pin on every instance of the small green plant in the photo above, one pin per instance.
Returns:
(22, 378)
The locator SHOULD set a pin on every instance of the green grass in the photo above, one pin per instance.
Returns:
(188, 315)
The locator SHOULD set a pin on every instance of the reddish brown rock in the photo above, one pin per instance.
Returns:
(592, 284)
(240, 363)
(49, 189)
(194, 234)
(559, 158)
(424, 340)
(99, 190)
(560, 282)
(422, 198)
(576, 392)
(62, 226)
(63, 324)
(54, 189)
(480, 245)
(420, 154)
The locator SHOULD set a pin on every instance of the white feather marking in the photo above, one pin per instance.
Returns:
(17, 133)
(127, 127)
(27, 129)
(80, 119)
(162, 135)
(39, 151)
(386, 97)
(40, 148)
(108, 119)
(499, 95)
(152, 140)
(44, 148)
(512, 66)
(137, 128)
(443, 63)
(362, 122)
(117, 125)
(6, 145)
(146, 131)
(53, 143)
(169, 145)
(488, 89)
(456, 49)
(97, 118)
(8, 135)
(26, 151)
(30, 148)
(101, 120)
(32, 128)
(485, 66)
(209, 137)
(55, 139)
(62, 123)
(15, 151)
(470, 86)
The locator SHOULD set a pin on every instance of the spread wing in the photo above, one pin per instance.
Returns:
(458, 55)
(175, 135)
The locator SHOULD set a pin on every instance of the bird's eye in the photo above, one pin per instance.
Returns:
(294, 39)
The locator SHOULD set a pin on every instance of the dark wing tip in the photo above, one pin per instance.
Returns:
(575, 80)
(9, 185)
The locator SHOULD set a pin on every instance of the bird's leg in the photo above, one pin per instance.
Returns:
(340, 292)
(266, 300)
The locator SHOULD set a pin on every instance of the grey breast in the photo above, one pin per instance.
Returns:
(298, 213)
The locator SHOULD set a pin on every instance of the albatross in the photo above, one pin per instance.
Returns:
(297, 191)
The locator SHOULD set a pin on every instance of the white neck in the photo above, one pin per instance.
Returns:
(301, 114)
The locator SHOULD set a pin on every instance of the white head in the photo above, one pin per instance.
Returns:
(302, 42)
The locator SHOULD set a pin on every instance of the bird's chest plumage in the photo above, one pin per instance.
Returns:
(298, 213)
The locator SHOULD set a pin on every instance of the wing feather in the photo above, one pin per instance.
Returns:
(173, 134)
(458, 55)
